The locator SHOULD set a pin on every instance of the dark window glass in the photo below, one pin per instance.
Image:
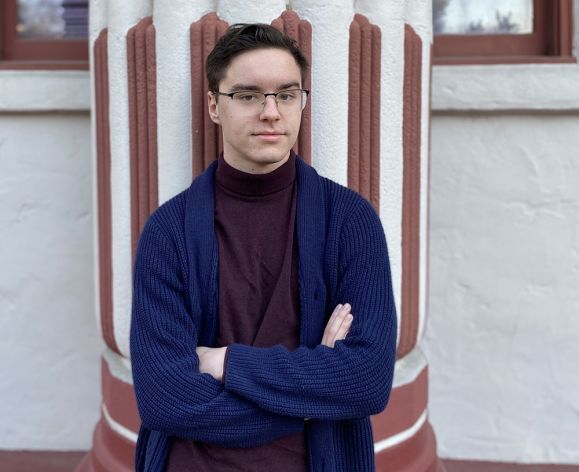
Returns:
(52, 19)
(488, 17)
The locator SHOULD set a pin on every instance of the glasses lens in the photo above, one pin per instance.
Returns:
(249, 98)
(286, 99)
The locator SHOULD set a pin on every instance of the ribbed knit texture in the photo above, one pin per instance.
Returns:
(268, 391)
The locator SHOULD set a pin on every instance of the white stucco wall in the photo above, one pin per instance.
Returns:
(504, 239)
(49, 353)
(502, 338)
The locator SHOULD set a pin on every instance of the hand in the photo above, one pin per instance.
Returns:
(338, 325)
(212, 361)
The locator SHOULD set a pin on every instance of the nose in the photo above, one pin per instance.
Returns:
(270, 110)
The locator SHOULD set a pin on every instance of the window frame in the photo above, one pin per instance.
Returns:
(37, 54)
(550, 42)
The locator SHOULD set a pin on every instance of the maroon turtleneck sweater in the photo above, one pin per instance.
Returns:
(258, 299)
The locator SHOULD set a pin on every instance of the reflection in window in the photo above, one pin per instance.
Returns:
(52, 19)
(488, 17)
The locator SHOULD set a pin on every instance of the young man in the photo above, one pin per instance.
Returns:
(264, 329)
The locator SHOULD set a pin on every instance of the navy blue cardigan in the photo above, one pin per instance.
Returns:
(268, 391)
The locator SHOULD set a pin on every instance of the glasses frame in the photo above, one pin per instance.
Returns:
(265, 95)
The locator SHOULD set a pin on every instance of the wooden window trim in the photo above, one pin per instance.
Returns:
(550, 42)
(37, 54)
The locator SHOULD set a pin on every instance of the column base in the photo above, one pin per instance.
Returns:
(110, 452)
(416, 454)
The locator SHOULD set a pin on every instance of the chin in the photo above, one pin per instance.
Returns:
(271, 158)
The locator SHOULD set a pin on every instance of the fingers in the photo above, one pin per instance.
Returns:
(333, 324)
(338, 325)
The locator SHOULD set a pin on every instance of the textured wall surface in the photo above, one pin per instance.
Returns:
(503, 325)
(49, 349)
(504, 261)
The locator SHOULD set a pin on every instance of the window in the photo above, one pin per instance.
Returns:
(502, 31)
(43, 34)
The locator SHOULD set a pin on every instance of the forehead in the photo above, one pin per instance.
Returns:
(263, 68)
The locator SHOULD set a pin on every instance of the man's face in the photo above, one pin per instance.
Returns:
(258, 140)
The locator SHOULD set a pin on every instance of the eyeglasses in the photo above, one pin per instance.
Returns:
(250, 100)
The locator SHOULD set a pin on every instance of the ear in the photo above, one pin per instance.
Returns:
(213, 108)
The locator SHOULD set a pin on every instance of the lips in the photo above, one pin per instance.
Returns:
(269, 136)
(269, 133)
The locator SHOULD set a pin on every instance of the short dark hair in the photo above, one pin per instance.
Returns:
(243, 37)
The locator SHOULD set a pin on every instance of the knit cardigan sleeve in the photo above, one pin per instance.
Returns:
(354, 378)
(172, 396)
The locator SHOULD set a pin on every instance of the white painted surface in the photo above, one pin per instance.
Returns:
(525, 87)
(330, 45)
(389, 17)
(501, 339)
(57, 90)
(233, 11)
(172, 20)
(409, 367)
(122, 16)
(502, 332)
(49, 353)
(119, 366)
(419, 17)
(97, 22)
(502, 335)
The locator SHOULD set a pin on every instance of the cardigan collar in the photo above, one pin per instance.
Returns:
(202, 252)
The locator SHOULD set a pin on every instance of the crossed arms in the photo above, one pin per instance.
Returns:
(267, 391)
(212, 360)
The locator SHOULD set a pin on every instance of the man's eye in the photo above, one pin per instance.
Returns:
(286, 96)
(246, 96)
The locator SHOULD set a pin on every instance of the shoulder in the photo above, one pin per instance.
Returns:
(171, 215)
(340, 201)
(168, 218)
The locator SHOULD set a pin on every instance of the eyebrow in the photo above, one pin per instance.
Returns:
(238, 87)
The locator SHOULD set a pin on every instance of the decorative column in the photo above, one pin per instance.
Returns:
(366, 126)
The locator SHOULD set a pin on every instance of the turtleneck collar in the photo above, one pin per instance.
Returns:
(255, 184)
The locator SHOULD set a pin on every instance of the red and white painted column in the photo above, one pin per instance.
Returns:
(367, 127)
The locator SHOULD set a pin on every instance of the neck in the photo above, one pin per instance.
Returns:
(255, 167)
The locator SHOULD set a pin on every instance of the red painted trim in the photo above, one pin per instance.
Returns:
(375, 111)
(61, 461)
(101, 81)
(110, 452)
(365, 103)
(206, 136)
(143, 159)
(40, 461)
(354, 87)
(151, 60)
(411, 191)
(133, 138)
(417, 454)
(44, 65)
(301, 31)
(428, 182)
(364, 70)
(198, 100)
(119, 398)
(305, 136)
(405, 406)
(484, 466)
